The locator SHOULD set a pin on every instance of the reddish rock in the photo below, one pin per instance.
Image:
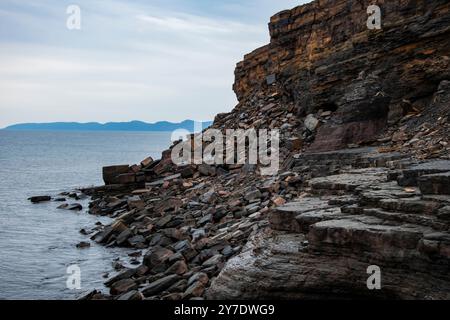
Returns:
(110, 174)
(126, 178)
(146, 162)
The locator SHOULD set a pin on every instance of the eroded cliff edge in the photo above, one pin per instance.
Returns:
(322, 56)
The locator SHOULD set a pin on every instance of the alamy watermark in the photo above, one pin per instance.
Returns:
(73, 21)
(230, 147)
(374, 20)
(374, 281)
(74, 279)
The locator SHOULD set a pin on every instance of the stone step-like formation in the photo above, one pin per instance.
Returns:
(325, 241)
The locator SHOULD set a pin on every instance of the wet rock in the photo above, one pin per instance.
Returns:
(195, 290)
(123, 286)
(178, 287)
(123, 237)
(185, 248)
(160, 285)
(179, 268)
(114, 229)
(83, 245)
(253, 195)
(199, 277)
(39, 199)
(126, 274)
(89, 295)
(133, 295)
(157, 256)
(213, 261)
(74, 207)
(110, 174)
(137, 241)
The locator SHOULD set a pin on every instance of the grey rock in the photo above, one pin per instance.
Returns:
(160, 285)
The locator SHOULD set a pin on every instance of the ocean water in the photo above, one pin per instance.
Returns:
(38, 241)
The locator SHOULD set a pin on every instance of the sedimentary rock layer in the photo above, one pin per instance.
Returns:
(324, 57)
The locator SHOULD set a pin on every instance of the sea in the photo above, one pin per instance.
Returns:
(38, 241)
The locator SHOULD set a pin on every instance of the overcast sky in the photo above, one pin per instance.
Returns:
(132, 60)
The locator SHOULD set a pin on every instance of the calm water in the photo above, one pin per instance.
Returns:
(37, 242)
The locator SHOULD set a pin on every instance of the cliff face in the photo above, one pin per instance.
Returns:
(324, 57)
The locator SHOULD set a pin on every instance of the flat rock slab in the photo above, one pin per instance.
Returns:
(411, 205)
(284, 218)
(339, 154)
(275, 265)
(368, 234)
(40, 199)
(383, 191)
(411, 175)
(305, 220)
(348, 181)
(438, 183)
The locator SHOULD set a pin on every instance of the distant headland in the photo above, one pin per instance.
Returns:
(162, 126)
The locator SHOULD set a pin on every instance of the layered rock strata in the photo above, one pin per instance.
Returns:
(323, 57)
(322, 244)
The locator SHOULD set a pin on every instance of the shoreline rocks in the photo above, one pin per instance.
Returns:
(39, 199)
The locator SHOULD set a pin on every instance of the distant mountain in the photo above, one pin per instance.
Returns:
(110, 126)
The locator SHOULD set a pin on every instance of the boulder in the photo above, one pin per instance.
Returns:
(111, 173)
(147, 162)
(75, 207)
(123, 286)
(179, 268)
(160, 285)
(126, 178)
(39, 199)
(83, 245)
(311, 123)
(157, 256)
(207, 170)
(133, 295)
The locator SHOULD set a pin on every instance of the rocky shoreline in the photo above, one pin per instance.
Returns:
(364, 179)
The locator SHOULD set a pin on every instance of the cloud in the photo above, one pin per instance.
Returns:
(191, 24)
(148, 60)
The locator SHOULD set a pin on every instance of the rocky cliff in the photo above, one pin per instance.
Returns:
(323, 57)
(364, 183)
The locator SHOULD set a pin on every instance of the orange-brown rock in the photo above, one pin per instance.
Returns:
(323, 56)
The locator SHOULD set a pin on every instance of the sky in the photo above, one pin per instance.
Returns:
(131, 60)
